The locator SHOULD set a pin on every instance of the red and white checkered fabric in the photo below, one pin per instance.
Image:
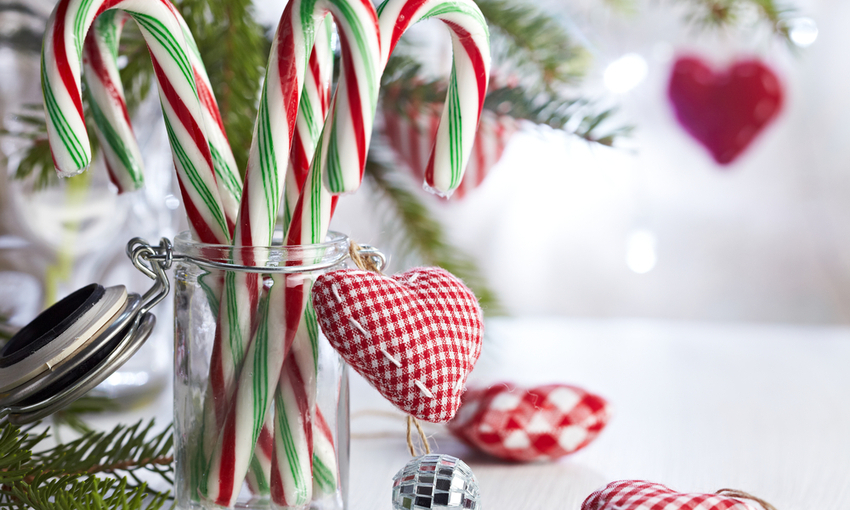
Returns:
(414, 336)
(641, 495)
(525, 425)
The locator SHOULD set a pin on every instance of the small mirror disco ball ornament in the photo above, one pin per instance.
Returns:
(436, 482)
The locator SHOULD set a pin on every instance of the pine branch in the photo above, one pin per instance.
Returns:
(533, 42)
(418, 233)
(731, 13)
(124, 449)
(67, 492)
(557, 112)
(35, 159)
(66, 476)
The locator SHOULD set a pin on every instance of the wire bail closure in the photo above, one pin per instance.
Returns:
(80, 341)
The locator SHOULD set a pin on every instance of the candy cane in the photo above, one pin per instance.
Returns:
(112, 123)
(61, 62)
(261, 196)
(313, 108)
(467, 84)
(237, 316)
(227, 173)
(410, 135)
(107, 105)
(357, 23)
(315, 102)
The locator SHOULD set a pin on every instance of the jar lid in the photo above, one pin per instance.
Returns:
(69, 349)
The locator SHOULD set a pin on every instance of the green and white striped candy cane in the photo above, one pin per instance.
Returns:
(107, 105)
(160, 25)
(239, 311)
(467, 83)
(112, 123)
(357, 24)
(315, 103)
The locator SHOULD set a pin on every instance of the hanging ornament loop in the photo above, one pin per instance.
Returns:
(367, 258)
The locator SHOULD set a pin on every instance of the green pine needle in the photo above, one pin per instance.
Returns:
(98, 470)
(534, 41)
(731, 14)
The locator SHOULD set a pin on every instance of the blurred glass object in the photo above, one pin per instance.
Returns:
(20, 292)
(803, 31)
(625, 73)
(73, 232)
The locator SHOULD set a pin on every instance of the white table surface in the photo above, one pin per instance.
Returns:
(698, 407)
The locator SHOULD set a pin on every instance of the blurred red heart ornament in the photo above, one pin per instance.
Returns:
(724, 110)
(641, 495)
(525, 425)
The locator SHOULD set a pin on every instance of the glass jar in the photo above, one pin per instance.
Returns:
(201, 271)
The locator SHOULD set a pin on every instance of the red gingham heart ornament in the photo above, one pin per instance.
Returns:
(415, 336)
(641, 495)
(525, 425)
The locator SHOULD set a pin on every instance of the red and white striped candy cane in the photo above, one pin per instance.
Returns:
(227, 174)
(412, 134)
(237, 316)
(160, 26)
(107, 105)
(112, 123)
(357, 24)
(467, 83)
(315, 103)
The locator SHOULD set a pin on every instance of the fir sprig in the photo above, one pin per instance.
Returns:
(534, 41)
(730, 13)
(35, 158)
(414, 231)
(99, 470)
(68, 492)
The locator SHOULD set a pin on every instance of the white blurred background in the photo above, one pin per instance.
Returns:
(655, 228)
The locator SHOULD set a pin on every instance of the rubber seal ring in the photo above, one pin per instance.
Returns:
(50, 324)
(71, 377)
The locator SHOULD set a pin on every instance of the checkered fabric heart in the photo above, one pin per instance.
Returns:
(525, 425)
(640, 495)
(414, 336)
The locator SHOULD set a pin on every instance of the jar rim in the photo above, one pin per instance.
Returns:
(277, 258)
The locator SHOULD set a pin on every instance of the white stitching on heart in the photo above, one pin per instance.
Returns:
(389, 357)
(419, 384)
(336, 294)
(423, 389)
(359, 327)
